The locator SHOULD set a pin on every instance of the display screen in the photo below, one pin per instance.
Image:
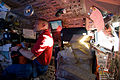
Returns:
(30, 34)
(56, 25)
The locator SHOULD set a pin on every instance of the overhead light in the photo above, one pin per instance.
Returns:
(84, 33)
(105, 57)
(28, 11)
(64, 0)
(65, 42)
(82, 41)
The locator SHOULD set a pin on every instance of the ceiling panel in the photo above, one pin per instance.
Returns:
(115, 2)
(75, 9)
(47, 9)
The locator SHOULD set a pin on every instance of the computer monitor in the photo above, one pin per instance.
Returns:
(56, 25)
